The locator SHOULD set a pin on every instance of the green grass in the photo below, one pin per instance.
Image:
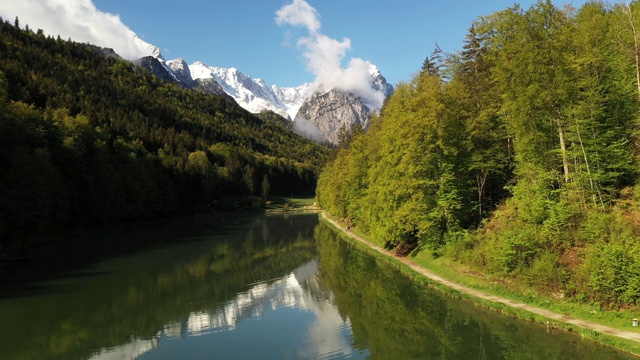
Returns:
(464, 275)
(283, 203)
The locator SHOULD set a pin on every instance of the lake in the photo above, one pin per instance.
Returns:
(254, 287)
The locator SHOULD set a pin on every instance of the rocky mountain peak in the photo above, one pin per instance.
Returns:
(147, 48)
(379, 83)
(181, 69)
(156, 67)
(318, 112)
(322, 116)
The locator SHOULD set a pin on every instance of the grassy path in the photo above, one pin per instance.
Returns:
(628, 335)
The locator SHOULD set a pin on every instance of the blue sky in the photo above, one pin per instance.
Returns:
(394, 35)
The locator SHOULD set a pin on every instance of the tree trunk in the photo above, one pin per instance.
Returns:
(563, 148)
(481, 180)
(626, 9)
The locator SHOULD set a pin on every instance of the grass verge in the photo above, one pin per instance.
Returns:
(282, 203)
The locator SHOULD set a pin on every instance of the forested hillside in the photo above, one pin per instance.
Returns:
(517, 156)
(88, 140)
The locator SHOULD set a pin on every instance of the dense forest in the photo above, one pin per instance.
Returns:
(517, 156)
(89, 140)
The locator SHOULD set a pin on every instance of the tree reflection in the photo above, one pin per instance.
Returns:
(396, 317)
(134, 297)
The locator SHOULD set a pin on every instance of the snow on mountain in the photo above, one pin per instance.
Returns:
(181, 70)
(292, 98)
(328, 111)
(157, 67)
(379, 83)
(325, 114)
(318, 111)
(253, 94)
(146, 48)
(153, 51)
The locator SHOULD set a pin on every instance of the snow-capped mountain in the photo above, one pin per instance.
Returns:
(292, 98)
(157, 67)
(326, 113)
(181, 70)
(318, 112)
(253, 94)
(206, 85)
(379, 83)
(146, 48)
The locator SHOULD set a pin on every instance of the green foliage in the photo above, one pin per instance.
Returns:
(615, 272)
(516, 156)
(517, 249)
(365, 286)
(87, 140)
(545, 273)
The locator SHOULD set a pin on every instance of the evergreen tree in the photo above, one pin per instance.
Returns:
(434, 62)
(116, 144)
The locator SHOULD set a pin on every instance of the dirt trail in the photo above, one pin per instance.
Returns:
(482, 295)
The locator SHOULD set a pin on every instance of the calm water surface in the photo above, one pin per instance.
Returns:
(261, 287)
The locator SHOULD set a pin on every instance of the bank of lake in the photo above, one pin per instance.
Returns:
(610, 328)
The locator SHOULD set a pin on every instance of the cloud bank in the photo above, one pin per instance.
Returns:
(324, 55)
(80, 21)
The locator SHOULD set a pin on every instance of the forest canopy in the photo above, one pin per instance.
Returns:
(89, 140)
(517, 155)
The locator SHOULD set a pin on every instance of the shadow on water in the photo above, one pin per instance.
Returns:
(136, 294)
(64, 257)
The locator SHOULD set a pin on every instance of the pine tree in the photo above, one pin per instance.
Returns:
(433, 63)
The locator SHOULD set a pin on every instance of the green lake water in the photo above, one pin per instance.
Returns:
(256, 287)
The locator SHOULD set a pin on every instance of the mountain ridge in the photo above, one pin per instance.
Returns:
(352, 96)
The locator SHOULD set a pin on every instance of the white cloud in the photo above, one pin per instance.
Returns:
(78, 20)
(324, 55)
(299, 13)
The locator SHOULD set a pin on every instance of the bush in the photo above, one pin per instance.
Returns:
(251, 203)
(596, 227)
(517, 249)
(545, 273)
(458, 245)
(614, 273)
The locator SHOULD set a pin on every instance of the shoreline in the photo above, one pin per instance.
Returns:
(493, 299)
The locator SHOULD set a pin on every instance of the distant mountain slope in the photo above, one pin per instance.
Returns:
(253, 94)
(325, 114)
(182, 73)
(89, 139)
(318, 113)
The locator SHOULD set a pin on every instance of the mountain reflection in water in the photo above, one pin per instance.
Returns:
(260, 287)
(326, 336)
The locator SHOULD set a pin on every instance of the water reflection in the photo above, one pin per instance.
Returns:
(132, 302)
(266, 287)
(295, 299)
(394, 316)
(300, 290)
(131, 350)
(285, 292)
